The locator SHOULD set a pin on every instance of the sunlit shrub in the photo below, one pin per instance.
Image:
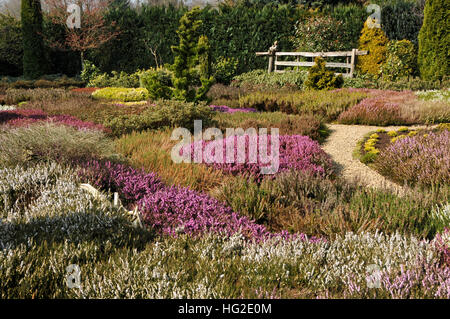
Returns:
(158, 82)
(415, 160)
(374, 40)
(319, 78)
(54, 143)
(121, 94)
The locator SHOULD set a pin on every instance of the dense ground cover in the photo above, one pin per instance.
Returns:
(397, 108)
(294, 152)
(284, 226)
(306, 125)
(407, 156)
(326, 105)
(89, 178)
(90, 230)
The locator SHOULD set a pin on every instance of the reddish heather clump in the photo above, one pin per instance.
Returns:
(133, 185)
(381, 108)
(226, 109)
(25, 117)
(295, 152)
(6, 117)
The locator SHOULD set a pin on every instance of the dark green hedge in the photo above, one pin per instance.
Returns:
(237, 31)
(402, 20)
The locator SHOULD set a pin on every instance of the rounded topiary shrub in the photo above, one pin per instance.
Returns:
(374, 40)
(319, 78)
(158, 82)
(401, 60)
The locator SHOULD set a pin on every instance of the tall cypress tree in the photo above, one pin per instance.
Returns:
(191, 59)
(434, 40)
(34, 58)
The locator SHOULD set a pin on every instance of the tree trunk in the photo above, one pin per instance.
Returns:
(82, 60)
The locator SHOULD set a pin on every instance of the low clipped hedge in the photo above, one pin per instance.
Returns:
(122, 94)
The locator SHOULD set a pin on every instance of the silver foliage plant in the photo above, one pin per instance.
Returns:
(47, 200)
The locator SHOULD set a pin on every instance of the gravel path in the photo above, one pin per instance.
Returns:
(341, 144)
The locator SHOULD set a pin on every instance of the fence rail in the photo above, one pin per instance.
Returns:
(274, 61)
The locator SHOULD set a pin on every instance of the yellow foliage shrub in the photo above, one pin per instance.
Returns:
(375, 41)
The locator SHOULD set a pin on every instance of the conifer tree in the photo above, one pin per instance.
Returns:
(191, 59)
(34, 58)
(375, 41)
(434, 41)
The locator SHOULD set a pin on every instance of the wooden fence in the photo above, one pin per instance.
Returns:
(349, 63)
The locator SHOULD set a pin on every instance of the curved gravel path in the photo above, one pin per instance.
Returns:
(340, 145)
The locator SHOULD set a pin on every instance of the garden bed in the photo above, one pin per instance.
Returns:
(411, 156)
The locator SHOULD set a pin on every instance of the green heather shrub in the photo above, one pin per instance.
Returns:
(375, 41)
(413, 84)
(151, 150)
(401, 60)
(121, 94)
(361, 80)
(225, 69)
(288, 124)
(299, 202)
(191, 59)
(15, 96)
(434, 41)
(164, 113)
(22, 84)
(319, 78)
(46, 81)
(158, 82)
(89, 72)
(274, 80)
(46, 142)
(323, 104)
(227, 92)
(85, 108)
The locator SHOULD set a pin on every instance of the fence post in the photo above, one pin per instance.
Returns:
(353, 59)
(272, 51)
